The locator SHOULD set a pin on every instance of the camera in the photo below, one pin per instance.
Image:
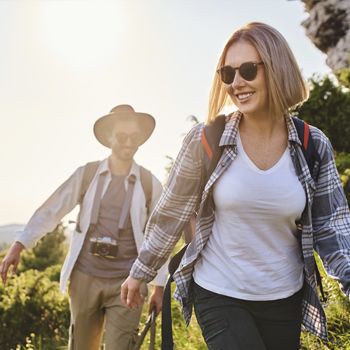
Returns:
(105, 247)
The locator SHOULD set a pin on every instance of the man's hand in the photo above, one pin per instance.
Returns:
(12, 258)
(156, 300)
(130, 293)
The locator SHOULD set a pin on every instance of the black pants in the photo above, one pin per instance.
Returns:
(233, 324)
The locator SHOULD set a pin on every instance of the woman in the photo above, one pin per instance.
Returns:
(248, 271)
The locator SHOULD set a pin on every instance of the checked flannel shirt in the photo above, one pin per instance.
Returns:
(325, 221)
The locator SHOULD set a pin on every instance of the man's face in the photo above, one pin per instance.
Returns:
(125, 139)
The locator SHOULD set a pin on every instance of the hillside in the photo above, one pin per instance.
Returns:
(8, 232)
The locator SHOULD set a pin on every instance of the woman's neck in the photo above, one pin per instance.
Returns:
(263, 125)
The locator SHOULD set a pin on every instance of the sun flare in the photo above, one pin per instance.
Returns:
(81, 34)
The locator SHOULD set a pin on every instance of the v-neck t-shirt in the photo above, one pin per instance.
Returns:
(254, 252)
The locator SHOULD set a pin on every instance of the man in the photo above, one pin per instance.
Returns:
(114, 209)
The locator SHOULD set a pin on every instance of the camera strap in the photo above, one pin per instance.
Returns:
(126, 205)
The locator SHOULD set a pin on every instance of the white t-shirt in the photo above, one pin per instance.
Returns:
(253, 252)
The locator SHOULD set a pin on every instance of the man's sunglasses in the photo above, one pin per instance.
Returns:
(247, 70)
(122, 138)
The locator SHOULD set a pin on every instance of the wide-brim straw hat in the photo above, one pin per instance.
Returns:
(104, 126)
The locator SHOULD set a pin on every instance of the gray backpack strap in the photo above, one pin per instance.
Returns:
(89, 173)
(146, 182)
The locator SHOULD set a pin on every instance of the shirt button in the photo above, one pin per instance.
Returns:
(223, 163)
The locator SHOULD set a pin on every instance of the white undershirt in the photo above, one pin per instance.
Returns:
(253, 252)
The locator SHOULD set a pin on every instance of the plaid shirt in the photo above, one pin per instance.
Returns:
(325, 221)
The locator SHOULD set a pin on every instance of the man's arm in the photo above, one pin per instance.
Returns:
(51, 212)
(44, 220)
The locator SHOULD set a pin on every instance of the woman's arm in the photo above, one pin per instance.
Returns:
(177, 204)
(331, 220)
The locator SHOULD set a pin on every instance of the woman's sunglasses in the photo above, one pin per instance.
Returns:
(247, 70)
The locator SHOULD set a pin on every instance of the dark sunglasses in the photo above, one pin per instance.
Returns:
(247, 70)
(122, 138)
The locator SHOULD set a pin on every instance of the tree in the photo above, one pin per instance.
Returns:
(31, 304)
(49, 251)
(328, 108)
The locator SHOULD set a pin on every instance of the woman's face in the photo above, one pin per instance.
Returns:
(250, 96)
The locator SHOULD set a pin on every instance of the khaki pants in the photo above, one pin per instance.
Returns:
(95, 304)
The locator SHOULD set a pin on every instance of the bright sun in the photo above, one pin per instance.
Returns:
(82, 34)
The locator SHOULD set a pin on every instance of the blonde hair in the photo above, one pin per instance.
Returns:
(286, 87)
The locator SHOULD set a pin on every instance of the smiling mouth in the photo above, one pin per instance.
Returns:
(244, 96)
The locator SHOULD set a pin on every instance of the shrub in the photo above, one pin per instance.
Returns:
(33, 304)
(49, 251)
(328, 108)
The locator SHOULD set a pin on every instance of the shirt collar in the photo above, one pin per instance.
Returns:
(292, 131)
(231, 130)
(104, 168)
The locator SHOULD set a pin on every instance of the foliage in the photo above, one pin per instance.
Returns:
(49, 251)
(337, 311)
(342, 161)
(32, 304)
(3, 246)
(344, 77)
(328, 108)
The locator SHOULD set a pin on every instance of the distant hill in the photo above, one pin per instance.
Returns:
(8, 232)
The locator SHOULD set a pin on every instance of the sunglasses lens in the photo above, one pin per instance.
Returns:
(227, 74)
(122, 138)
(248, 71)
(136, 139)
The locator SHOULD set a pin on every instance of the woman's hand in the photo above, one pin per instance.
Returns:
(130, 293)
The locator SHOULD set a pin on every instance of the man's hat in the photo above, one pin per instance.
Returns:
(104, 125)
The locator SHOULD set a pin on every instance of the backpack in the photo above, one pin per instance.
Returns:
(90, 171)
(210, 139)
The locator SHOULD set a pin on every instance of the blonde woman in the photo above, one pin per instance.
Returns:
(250, 269)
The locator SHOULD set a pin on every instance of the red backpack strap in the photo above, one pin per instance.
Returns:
(210, 140)
(206, 145)
(309, 150)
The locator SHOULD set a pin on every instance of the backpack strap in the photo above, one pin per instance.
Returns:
(167, 320)
(146, 182)
(309, 150)
(210, 140)
(89, 173)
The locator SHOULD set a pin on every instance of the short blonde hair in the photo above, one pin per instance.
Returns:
(285, 84)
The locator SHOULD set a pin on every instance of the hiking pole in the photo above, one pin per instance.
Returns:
(149, 325)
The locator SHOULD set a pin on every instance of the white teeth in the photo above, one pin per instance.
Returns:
(244, 96)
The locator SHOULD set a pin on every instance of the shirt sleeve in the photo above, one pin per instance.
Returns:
(331, 220)
(177, 203)
(162, 274)
(51, 212)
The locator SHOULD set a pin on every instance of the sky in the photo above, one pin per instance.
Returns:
(64, 64)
